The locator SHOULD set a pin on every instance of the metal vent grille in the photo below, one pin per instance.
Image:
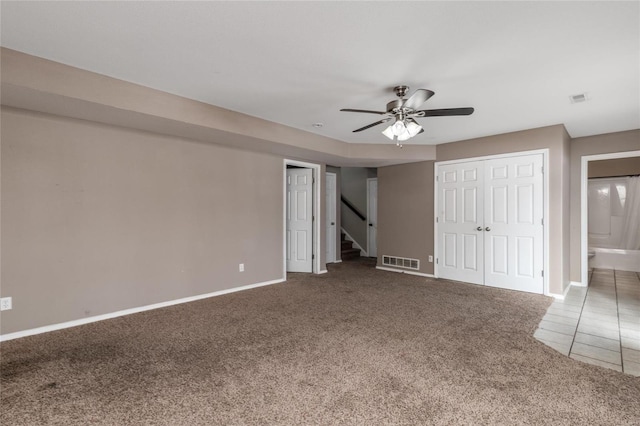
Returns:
(401, 262)
(582, 97)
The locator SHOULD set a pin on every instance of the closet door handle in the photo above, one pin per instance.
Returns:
(487, 229)
(479, 228)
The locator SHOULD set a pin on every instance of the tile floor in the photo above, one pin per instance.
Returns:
(599, 324)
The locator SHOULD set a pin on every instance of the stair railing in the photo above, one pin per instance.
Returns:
(353, 208)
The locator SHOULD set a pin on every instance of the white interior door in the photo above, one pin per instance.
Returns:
(372, 217)
(299, 220)
(460, 222)
(330, 202)
(513, 236)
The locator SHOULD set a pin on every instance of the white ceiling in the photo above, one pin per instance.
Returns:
(298, 63)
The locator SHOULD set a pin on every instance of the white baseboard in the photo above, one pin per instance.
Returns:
(401, 271)
(324, 271)
(564, 294)
(577, 284)
(82, 321)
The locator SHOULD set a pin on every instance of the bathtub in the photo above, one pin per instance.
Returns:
(608, 258)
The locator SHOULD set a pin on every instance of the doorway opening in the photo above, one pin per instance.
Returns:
(301, 239)
(584, 206)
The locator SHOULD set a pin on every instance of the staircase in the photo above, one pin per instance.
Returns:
(347, 250)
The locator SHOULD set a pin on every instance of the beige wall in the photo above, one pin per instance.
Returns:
(97, 219)
(592, 145)
(405, 212)
(614, 167)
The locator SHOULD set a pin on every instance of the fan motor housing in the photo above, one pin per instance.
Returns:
(394, 105)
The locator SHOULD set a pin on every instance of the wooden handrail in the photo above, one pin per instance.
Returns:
(352, 207)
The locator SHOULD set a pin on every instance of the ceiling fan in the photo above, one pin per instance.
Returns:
(403, 113)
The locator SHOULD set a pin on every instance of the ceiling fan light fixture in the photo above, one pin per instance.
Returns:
(413, 128)
(403, 113)
(404, 136)
(388, 132)
(399, 128)
(402, 130)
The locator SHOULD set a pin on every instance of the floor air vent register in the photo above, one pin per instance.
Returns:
(401, 262)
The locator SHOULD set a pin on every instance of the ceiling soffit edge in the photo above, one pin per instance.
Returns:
(41, 85)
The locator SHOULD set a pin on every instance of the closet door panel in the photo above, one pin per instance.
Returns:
(513, 223)
(460, 244)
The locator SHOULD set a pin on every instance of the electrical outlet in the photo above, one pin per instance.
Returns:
(241, 267)
(5, 304)
(430, 259)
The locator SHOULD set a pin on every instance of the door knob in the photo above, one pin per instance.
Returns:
(479, 228)
(487, 229)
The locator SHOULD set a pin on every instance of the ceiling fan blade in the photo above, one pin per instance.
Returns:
(371, 125)
(444, 112)
(418, 98)
(363, 110)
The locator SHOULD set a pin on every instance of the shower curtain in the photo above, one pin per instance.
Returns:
(631, 226)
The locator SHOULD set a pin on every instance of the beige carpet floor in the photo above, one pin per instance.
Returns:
(354, 346)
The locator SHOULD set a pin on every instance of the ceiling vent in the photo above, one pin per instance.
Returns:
(582, 97)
